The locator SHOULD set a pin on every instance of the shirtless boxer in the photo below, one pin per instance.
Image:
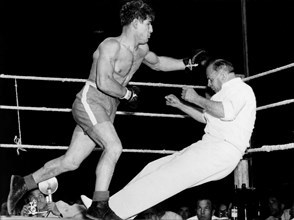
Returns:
(114, 63)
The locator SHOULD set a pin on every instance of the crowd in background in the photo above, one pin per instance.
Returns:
(250, 206)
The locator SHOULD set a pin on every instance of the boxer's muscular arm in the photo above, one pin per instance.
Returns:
(162, 63)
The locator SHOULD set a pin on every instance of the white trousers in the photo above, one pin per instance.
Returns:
(206, 160)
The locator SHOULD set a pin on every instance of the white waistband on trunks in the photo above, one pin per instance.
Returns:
(91, 84)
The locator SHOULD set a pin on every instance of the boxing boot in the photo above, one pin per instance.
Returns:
(100, 210)
(17, 189)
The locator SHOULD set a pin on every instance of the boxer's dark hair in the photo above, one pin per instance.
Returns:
(136, 9)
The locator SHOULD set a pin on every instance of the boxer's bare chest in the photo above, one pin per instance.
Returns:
(127, 63)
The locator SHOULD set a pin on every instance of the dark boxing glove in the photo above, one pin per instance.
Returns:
(199, 58)
(131, 96)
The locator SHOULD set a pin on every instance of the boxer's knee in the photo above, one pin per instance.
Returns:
(70, 164)
(113, 150)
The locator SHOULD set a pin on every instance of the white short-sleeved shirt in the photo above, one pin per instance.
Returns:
(239, 104)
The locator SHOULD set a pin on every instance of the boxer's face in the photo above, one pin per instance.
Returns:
(144, 30)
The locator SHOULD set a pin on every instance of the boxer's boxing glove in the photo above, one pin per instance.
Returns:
(198, 59)
(131, 96)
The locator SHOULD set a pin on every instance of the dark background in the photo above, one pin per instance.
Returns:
(57, 39)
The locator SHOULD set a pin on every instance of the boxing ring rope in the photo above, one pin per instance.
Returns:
(269, 72)
(285, 102)
(84, 80)
(265, 148)
(18, 144)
